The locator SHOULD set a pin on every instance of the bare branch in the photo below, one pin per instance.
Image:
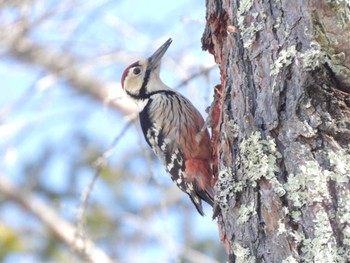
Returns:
(62, 229)
(65, 66)
(100, 163)
(201, 72)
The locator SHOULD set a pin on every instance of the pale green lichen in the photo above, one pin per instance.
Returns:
(285, 58)
(298, 236)
(248, 32)
(243, 254)
(296, 215)
(234, 128)
(285, 210)
(338, 1)
(310, 188)
(295, 188)
(343, 212)
(312, 57)
(290, 259)
(281, 227)
(224, 188)
(323, 247)
(307, 131)
(258, 158)
(343, 255)
(277, 23)
(340, 173)
(244, 6)
(343, 215)
(340, 162)
(245, 213)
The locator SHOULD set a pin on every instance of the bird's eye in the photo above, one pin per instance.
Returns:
(136, 71)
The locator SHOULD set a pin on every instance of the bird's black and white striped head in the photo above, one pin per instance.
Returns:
(141, 78)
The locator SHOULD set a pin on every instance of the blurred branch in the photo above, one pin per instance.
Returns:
(62, 229)
(100, 163)
(201, 72)
(63, 65)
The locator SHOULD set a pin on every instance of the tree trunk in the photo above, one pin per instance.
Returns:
(280, 124)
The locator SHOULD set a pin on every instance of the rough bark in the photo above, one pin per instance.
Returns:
(281, 123)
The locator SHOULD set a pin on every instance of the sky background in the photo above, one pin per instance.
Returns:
(50, 134)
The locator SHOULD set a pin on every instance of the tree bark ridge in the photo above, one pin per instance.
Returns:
(282, 140)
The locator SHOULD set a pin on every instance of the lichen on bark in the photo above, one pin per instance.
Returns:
(283, 131)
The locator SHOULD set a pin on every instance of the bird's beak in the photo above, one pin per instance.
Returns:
(154, 60)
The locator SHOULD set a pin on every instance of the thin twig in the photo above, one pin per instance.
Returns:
(100, 163)
(201, 72)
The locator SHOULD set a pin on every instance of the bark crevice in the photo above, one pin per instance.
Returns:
(284, 136)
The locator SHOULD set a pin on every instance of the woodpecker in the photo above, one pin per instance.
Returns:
(172, 127)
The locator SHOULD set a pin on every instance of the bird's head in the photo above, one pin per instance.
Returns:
(142, 77)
